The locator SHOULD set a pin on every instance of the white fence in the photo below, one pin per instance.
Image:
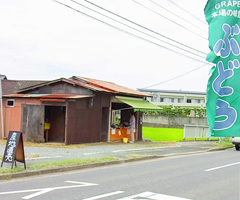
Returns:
(196, 131)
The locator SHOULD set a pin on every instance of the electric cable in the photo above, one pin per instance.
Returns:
(134, 35)
(177, 15)
(142, 39)
(177, 76)
(145, 27)
(169, 19)
(171, 1)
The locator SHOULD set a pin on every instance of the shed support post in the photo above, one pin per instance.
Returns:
(1, 102)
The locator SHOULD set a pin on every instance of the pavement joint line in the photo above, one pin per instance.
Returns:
(148, 148)
(197, 152)
(44, 157)
(185, 153)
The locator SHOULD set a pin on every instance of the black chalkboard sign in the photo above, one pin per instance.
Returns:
(14, 149)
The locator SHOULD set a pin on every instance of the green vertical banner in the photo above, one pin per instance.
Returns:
(223, 90)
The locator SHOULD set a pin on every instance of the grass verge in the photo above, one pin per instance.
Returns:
(59, 163)
(199, 139)
(57, 145)
(224, 143)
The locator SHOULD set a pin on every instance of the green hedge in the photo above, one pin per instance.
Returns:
(177, 111)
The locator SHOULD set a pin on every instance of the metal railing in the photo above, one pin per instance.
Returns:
(196, 131)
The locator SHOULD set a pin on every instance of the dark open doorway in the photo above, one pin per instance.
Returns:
(55, 115)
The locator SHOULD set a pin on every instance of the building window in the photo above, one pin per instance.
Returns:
(154, 99)
(171, 100)
(10, 103)
(180, 100)
(197, 101)
(161, 99)
(189, 101)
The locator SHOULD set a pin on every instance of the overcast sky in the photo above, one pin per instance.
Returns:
(44, 40)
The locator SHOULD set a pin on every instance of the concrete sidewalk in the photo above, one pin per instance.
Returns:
(122, 153)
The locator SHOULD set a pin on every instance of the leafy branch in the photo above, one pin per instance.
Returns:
(178, 111)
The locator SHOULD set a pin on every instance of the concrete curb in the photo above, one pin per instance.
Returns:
(9, 176)
(220, 149)
(23, 174)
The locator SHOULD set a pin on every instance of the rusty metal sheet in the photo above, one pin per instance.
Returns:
(59, 96)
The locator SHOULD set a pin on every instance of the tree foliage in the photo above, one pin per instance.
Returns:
(178, 111)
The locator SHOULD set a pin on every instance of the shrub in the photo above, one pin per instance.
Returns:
(177, 111)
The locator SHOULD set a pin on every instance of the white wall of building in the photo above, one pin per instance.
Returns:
(177, 98)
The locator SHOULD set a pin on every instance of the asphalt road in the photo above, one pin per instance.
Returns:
(206, 176)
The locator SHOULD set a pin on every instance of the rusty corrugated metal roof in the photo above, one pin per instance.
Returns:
(70, 81)
(46, 96)
(108, 86)
(88, 86)
(13, 86)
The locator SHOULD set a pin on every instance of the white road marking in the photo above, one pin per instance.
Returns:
(104, 195)
(139, 149)
(220, 167)
(20, 191)
(153, 196)
(45, 190)
(91, 153)
(38, 193)
(83, 183)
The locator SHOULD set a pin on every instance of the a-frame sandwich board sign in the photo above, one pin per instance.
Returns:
(14, 150)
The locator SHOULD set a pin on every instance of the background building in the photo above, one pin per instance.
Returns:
(180, 98)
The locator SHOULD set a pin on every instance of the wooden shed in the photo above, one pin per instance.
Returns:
(70, 110)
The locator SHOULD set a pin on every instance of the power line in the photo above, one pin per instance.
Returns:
(177, 15)
(144, 27)
(169, 19)
(171, 1)
(177, 76)
(134, 35)
(205, 63)
(132, 27)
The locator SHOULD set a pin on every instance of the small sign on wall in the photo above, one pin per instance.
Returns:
(14, 150)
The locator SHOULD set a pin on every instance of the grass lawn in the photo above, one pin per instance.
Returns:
(163, 134)
(167, 134)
